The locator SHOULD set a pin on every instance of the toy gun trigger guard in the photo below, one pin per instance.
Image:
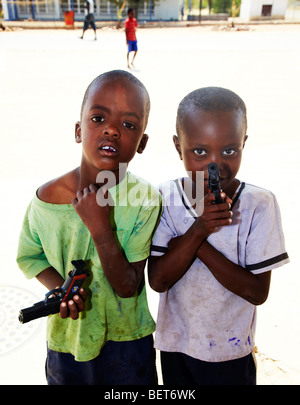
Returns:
(53, 299)
(214, 182)
(55, 291)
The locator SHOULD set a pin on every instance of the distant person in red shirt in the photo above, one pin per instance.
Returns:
(130, 28)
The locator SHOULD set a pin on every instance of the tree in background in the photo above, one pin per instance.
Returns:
(235, 9)
(214, 6)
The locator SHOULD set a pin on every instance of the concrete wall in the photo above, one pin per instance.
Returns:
(252, 9)
(168, 10)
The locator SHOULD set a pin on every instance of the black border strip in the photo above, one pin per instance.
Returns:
(161, 249)
(188, 206)
(238, 194)
(268, 262)
(183, 199)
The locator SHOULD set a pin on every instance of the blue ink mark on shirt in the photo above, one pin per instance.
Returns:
(211, 343)
(119, 309)
(138, 227)
(237, 341)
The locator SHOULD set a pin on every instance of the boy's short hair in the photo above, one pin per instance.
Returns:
(210, 99)
(116, 75)
(129, 10)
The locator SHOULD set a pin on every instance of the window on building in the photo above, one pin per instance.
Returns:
(266, 10)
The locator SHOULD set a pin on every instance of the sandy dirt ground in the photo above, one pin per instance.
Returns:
(43, 77)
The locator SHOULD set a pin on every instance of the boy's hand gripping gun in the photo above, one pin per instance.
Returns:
(53, 299)
(214, 183)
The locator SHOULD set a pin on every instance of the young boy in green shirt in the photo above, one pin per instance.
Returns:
(109, 227)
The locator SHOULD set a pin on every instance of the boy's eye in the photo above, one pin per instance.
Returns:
(229, 152)
(128, 125)
(200, 152)
(97, 118)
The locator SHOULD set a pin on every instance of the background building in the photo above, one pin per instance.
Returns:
(104, 10)
(263, 9)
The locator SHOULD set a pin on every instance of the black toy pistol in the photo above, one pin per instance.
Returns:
(53, 299)
(214, 183)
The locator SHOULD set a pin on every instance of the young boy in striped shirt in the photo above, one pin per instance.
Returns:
(212, 268)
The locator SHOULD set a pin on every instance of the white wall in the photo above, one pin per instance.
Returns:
(251, 9)
(293, 11)
(168, 9)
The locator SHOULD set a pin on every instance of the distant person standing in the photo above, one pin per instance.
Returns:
(89, 17)
(130, 28)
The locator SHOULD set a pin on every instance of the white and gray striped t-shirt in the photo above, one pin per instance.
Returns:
(198, 316)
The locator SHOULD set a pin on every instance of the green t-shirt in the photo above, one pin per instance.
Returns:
(54, 235)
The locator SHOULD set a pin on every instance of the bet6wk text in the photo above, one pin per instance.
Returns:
(133, 396)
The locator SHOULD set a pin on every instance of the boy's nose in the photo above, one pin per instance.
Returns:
(216, 159)
(112, 131)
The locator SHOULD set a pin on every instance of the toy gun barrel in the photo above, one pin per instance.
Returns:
(214, 182)
(51, 304)
(38, 310)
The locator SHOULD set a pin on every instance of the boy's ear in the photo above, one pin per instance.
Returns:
(78, 132)
(143, 144)
(177, 145)
(245, 139)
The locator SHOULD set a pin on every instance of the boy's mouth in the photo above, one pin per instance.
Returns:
(108, 150)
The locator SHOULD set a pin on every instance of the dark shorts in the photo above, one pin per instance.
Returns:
(119, 363)
(180, 369)
(132, 46)
(89, 20)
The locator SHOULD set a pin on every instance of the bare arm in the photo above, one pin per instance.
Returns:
(50, 278)
(123, 276)
(165, 270)
(254, 288)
